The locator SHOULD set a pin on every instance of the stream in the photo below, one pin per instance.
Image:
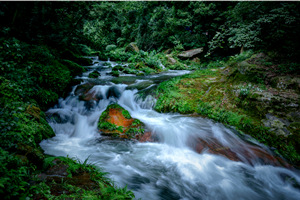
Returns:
(170, 167)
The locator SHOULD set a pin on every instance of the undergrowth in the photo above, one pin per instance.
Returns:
(32, 79)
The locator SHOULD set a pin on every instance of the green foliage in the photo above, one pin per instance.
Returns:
(149, 63)
(115, 73)
(258, 25)
(118, 54)
(240, 57)
(290, 68)
(110, 47)
(14, 176)
(74, 68)
(83, 49)
(245, 90)
(37, 71)
(75, 167)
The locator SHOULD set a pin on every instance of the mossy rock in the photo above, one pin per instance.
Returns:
(118, 68)
(115, 121)
(94, 74)
(128, 70)
(132, 47)
(115, 73)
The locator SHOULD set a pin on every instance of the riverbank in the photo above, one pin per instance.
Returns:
(32, 79)
(253, 93)
(250, 92)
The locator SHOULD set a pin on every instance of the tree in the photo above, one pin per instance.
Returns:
(260, 25)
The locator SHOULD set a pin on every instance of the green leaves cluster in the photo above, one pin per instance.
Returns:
(259, 25)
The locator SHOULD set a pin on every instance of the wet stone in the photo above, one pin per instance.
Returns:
(115, 121)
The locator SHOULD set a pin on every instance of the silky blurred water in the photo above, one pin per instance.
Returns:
(168, 168)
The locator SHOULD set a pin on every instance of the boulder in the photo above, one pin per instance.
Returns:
(115, 121)
(196, 60)
(83, 91)
(132, 47)
(171, 60)
(94, 74)
(244, 153)
(190, 53)
(277, 125)
(147, 137)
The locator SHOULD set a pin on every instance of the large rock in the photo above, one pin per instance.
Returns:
(244, 153)
(171, 60)
(277, 125)
(94, 74)
(83, 91)
(116, 121)
(132, 47)
(190, 53)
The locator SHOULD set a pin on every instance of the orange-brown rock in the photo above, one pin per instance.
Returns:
(147, 137)
(214, 147)
(116, 121)
(241, 152)
(116, 117)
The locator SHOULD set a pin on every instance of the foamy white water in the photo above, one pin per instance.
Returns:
(169, 168)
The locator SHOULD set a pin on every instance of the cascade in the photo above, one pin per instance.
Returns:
(182, 163)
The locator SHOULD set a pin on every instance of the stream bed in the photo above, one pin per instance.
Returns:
(169, 168)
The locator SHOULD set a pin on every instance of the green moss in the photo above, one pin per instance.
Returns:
(126, 114)
(226, 96)
(94, 74)
(118, 68)
(115, 73)
(107, 126)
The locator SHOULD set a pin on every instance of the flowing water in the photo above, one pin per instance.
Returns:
(169, 168)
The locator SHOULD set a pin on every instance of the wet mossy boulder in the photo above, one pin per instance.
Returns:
(83, 92)
(115, 73)
(94, 74)
(117, 122)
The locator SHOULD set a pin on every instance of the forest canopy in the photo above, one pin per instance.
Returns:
(222, 28)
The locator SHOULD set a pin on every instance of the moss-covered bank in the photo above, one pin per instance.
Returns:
(32, 79)
(255, 94)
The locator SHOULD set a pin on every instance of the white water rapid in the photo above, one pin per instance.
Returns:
(169, 168)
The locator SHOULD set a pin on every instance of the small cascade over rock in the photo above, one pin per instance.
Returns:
(177, 156)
